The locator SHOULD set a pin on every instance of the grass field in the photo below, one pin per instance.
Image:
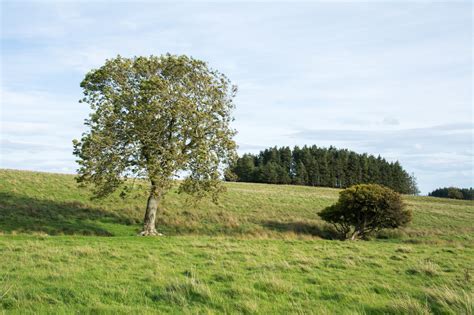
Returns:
(261, 250)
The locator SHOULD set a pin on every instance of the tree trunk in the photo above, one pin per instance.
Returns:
(354, 235)
(149, 228)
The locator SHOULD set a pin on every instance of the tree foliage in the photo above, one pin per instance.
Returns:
(364, 209)
(156, 117)
(315, 166)
(453, 193)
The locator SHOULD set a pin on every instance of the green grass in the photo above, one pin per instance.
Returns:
(261, 250)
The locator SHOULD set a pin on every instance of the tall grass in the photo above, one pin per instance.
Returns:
(262, 250)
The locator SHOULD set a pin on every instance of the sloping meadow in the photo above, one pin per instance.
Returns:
(262, 249)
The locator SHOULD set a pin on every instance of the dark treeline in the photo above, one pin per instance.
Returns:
(314, 166)
(453, 193)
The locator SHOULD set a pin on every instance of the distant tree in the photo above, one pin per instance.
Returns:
(245, 168)
(468, 193)
(440, 192)
(453, 193)
(373, 169)
(413, 186)
(153, 117)
(301, 175)
(269, 173)
(353, 170)
(314, 166)
(285, 159)
(366, 208)
(364, 162)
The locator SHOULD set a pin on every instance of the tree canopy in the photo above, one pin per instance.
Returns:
(154, 118)
(364, 209)
(453, 193)
(316, 166)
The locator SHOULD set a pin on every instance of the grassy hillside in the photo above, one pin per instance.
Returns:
(261, 250)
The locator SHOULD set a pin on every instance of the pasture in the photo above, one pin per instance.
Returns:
(261, 250)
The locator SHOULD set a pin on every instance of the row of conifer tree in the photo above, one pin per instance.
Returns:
(453, 193)
(316, 166)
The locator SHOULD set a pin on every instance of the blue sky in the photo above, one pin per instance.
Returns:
(391, 78)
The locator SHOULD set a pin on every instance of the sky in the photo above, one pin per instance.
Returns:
(391, 78)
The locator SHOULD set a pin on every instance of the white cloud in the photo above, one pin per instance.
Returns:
(368, 76)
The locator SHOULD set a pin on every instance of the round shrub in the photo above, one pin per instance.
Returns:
(364, 209)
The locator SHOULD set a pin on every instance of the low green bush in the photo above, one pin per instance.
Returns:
(364, 209)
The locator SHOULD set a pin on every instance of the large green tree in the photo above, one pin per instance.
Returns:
(155, 118)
